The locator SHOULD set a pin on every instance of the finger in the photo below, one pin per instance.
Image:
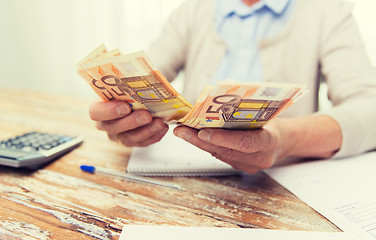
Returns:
(145, 135)
(153, 139)
(132, 121)
(247, 141)
(190, 135)
(104, 111)
(249, 162)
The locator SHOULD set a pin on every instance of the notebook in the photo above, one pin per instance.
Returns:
(173, 156)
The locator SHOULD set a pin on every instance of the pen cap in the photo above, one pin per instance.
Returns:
(87, 168)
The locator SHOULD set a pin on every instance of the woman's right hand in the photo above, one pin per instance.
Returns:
(131, 128)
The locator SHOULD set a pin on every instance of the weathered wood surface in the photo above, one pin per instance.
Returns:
(62, 202)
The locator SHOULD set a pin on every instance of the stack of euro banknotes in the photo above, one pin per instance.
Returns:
(229, 104)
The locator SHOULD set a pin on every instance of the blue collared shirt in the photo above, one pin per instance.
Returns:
(242, 27)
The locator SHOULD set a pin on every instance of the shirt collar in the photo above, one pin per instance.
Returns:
(230, 7)
(277, 6)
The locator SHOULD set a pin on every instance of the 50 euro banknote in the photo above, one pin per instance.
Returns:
(229, 104)
(134, 79)
(241, 105)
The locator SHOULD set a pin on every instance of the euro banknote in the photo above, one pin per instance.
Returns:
(134, 79)
(229, 104)
(241, 105)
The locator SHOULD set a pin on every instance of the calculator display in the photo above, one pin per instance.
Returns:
(33, 149)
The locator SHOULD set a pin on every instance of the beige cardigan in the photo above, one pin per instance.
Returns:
(321, 39)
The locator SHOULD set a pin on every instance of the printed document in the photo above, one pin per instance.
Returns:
(148, 232)
(342, 190)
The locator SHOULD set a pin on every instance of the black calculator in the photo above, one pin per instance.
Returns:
(34, 149)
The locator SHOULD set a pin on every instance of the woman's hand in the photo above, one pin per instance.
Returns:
(130, 128)
(317, 136)
(247, 150)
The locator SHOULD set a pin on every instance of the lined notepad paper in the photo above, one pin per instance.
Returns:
(173, 156)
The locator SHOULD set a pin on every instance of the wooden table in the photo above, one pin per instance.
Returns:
(62, 202)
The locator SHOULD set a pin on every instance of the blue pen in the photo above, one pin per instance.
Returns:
(92, 169)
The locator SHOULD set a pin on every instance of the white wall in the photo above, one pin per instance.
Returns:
(364, 12)
(42, 40)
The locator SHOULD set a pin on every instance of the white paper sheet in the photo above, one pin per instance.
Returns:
(343, 190)
(147, 232)
(173, 156)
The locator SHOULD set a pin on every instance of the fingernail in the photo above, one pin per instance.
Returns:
(185, 135)
(122, 109)
(204, 135)
(142, 119)
(156, 127)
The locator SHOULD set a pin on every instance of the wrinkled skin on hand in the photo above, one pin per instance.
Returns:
(130, 128)
(247, 150)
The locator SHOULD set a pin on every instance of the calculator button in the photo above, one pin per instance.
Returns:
(65, 139)
(34, 145)
(18, 146)
(28, 149)
(46, 147)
